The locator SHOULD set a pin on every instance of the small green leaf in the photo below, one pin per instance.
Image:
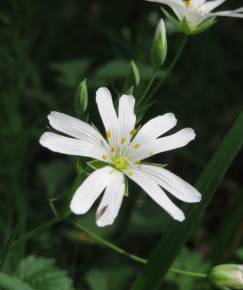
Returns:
(96, 164)
(132, 80)
(135, 75)
(41, 273)
(12, 283)
(129, 91)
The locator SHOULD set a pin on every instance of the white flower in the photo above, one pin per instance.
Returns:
(123, 152)
(198, 12)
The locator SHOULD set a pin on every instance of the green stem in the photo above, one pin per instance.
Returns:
(38, 230)
(148, 87)
(130, 255)
(171, 67)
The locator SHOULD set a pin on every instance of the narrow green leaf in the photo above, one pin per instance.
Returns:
(223, 244)
(12, 283)
(164, 253)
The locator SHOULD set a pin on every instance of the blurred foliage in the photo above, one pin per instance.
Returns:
(47, 48)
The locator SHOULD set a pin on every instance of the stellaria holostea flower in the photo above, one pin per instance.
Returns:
(196, 15)
(122, 152)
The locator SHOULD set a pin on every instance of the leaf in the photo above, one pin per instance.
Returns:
(42, 274)
(12, 283)
(110, 273)
(71, 71)
(224, 242)
(166, 250)
(96, 280)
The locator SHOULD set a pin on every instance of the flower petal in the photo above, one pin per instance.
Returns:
(155, 128)
(108, 115)
(90, 190)
(211, 5)
(177, 140)
(238, 13)
(111, 201)
(172, 183)
(75, 128)
(156, 193)
(71, 146)
(126, 117)
(181, 11)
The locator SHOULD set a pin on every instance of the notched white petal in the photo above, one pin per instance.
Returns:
(71, 146)
(172, 183)
(90, 190)
(156, 193)
(111, 201)
(74, 127)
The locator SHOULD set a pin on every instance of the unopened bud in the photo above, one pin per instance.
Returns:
(159, 45)
(228, 276)
(81, 99)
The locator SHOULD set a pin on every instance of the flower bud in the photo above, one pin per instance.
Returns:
(159, 45)
(81, 99)
(227, 276)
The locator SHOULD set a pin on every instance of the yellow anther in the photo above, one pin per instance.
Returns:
(130, 173)
(113, 149)
(108, 134)
(187, 3)
(123, 140)
(136, 146)
(137, 162)
(104, 157)
(151, 153)
(133, 132)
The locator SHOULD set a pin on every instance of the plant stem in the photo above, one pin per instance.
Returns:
(130, 255)
(171, 66)
(148, 87)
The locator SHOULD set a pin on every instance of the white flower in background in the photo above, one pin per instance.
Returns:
(196, 15)
(121, 155)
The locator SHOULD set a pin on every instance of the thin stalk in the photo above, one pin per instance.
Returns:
(132, 256)
(148, 87)
(171, 67)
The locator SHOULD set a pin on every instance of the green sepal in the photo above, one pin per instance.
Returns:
(129, 91)
(134, 73)
(156, 164)
(205, 25)
(126, 193)
(185, 27)
(132, 80)
(96, 164)
(81, 99)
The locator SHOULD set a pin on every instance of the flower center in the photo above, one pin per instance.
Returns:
(120, 163)
(187, 3)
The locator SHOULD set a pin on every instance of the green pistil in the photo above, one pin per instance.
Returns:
(120, 163)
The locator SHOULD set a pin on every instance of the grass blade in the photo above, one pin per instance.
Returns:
(168, 247)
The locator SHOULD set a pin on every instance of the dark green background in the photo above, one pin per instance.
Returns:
(46, 49)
